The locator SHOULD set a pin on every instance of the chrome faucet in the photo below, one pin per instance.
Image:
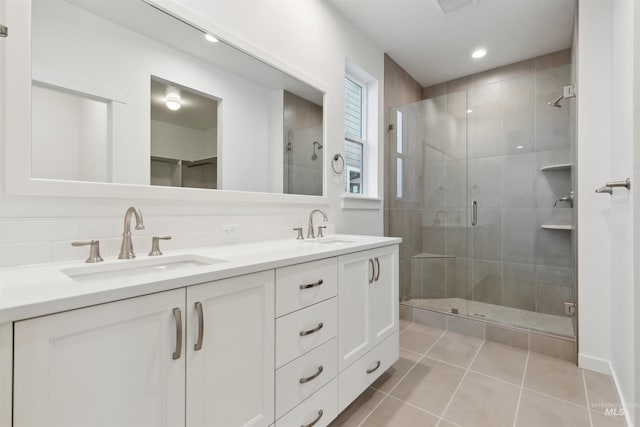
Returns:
(310, 233)
(568, 199)
(126, 248)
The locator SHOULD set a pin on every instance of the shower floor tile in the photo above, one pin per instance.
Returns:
(559, 325)
(501, 386)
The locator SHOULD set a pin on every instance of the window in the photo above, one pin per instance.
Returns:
(355, 134)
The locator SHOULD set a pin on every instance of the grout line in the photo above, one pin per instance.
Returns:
(524, 373)
(444, 411)
(586, 396)
(414, 406)
(556, 398)
(502, 380)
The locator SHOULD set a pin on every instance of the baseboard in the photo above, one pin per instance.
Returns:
(628, 415)
(594, 364)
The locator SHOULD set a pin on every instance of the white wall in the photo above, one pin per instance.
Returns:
(179, 142)
(39, 229)
(608, 314)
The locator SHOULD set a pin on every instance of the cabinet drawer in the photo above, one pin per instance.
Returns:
(317, 367)
(305, 329)
(355, 379)
(302, 285)
(322, 406)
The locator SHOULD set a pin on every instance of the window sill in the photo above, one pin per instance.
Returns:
(361, 202)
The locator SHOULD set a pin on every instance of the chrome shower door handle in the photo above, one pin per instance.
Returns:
(198, 344)
(177, 314)
(474, 213)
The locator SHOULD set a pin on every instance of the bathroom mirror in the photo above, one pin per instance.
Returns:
(105, 75)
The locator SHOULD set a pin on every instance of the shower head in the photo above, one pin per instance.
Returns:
(317, 144)
(556, 102)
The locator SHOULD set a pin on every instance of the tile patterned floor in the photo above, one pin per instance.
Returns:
(447, 379)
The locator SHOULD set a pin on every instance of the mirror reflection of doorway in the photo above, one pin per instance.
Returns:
(184, 127)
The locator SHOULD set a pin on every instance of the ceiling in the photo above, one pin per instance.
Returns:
(199, 112)
(434, 47)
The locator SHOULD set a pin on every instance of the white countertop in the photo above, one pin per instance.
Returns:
(36, 290)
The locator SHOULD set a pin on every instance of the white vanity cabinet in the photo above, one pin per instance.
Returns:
(125, 363)
(230, 378)
(289, 346)
(367, 317)
(107, 365)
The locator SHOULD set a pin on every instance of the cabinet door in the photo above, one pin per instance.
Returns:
(230, 379)
(384, 294)
(106, 365)
(355, 278)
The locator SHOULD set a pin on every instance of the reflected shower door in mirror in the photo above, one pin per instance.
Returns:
(303, 147)
(97, 118)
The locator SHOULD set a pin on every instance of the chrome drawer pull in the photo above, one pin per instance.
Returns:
(177, 314)
(312, 377)
(312, 285)
(312, 423)
(373, 271)
(378, 269)
(372, 370)
(311, 331)
(198, 344)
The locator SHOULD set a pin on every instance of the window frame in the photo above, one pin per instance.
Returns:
(363, 141)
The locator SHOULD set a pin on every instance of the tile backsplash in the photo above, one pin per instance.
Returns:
(42, 240)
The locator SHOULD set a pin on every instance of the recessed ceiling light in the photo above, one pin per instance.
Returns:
(210, 38)
(519, 147)
(173, 100)
(478, 53)
(469, 111)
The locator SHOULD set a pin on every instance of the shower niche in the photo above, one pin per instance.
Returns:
(481, 193)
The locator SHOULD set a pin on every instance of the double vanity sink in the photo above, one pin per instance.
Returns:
(274, 333)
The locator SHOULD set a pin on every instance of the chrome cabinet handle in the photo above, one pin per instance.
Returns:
(312, 285)
(373, 271)
(198, 344)
(474, 213)
(311, 331)
(372, 370)
(312, 377)
(312, 423)
(377, 269)
(177, 314)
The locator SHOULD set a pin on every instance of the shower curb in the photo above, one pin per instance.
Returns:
(556, 346)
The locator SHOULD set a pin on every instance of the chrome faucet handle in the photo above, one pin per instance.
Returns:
(155, 245)
(94, 250)
(299, 236)
(320, 228)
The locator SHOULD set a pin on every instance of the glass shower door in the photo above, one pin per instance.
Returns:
(429, 207)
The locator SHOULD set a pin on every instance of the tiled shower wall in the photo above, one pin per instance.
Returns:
(512, 133)
(302, 127)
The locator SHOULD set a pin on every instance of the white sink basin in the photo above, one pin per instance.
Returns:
(138, 267)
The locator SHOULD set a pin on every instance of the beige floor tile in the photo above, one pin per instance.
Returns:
(556, 377)
(455, 348)
(394, 413)
(482, 401)
(359, 409)
(600, 391)
(404, 324)
(419, 338)
(602, 420)
(394, 374)
(429, 385)
(501, 361)
(445, 423)
(537, 410)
